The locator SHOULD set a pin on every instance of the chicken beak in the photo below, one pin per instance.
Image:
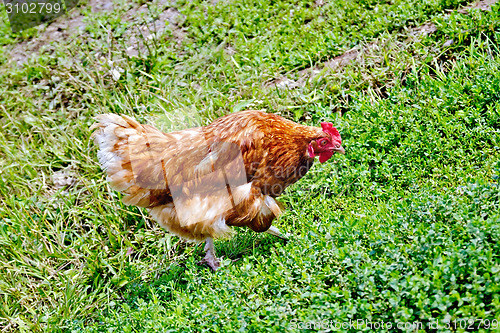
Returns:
(339, 150)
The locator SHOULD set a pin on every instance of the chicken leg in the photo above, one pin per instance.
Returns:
(210, 259)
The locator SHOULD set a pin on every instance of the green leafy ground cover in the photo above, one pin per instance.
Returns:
(402, 229)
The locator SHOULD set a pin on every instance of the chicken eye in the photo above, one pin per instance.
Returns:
(323, 142)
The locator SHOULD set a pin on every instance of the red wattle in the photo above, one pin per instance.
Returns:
(325, 156)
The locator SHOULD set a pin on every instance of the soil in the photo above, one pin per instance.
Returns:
(72, 25)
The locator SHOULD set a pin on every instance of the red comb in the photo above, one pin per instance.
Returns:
(329, 129)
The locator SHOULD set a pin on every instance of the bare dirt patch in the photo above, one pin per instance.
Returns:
(72, 25)
(169, 17)
(483, 5)
(62, 28)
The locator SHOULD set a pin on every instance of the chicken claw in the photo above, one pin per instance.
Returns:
(210, 259)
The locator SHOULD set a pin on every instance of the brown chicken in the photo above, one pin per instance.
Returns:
(199, 182)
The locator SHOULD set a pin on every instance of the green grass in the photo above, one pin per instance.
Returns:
(403, 228)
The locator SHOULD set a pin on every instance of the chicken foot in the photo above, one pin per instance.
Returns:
(210, 259)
